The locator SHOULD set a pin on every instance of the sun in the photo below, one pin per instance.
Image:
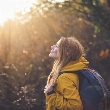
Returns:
(9, 7)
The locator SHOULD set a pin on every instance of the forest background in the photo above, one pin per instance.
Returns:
(25, 44)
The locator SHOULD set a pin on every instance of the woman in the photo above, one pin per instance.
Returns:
(62, 86)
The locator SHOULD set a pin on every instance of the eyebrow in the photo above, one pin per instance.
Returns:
(56, 44)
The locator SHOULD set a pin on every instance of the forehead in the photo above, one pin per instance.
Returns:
(58, 42)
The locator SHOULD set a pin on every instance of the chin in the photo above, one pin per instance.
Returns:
(51, 56)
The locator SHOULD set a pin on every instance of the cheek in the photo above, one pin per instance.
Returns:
(56, 52)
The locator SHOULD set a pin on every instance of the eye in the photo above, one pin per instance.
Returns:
(56, 46)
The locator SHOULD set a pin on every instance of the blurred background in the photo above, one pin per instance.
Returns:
(27, 30)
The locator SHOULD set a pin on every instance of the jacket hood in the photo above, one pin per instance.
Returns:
(80, 64)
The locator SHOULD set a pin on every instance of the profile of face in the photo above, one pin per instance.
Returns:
(54, 51)
(66, 49)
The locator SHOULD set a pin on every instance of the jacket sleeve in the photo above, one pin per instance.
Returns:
(66, 96)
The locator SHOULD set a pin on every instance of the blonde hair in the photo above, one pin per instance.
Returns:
(69, 49)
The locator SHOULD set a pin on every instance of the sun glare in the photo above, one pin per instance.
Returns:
(9, 7)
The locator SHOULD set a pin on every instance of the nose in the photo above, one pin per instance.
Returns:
(52, 46)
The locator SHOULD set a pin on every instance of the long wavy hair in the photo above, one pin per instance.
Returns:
(69, 49)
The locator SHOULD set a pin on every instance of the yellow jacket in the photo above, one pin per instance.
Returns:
(66, 95)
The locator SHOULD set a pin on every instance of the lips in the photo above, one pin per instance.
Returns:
(51, 51)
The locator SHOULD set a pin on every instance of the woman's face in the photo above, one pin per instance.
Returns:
(54, 51)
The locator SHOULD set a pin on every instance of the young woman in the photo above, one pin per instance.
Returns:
(62, 86)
